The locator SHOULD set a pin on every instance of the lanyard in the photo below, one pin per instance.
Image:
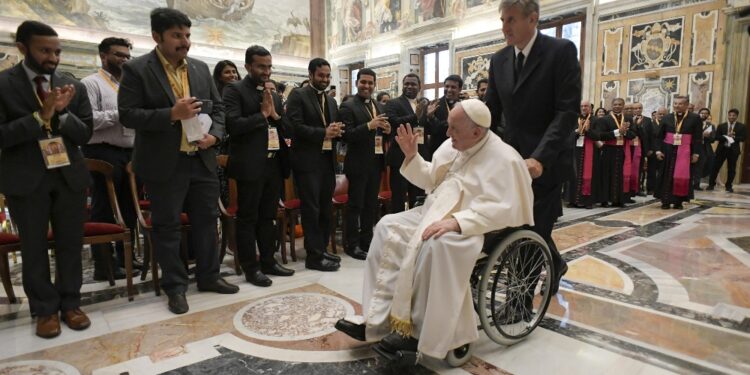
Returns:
(618, 123)
(115, 85)
(679, 123)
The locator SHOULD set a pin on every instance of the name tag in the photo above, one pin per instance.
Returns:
(327, 145)
(54, 153)
(419, 132)
(620, 141)
(579, 141)
(636, 141)
(677, 140)
(273, 139)
(378, 145)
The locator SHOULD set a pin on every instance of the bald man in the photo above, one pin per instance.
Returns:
(475, 184)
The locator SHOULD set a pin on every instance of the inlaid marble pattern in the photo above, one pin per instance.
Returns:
(612, 51)
(572, 236)
(37, 368)
(642, 215)
(593, 271)
(705, 25)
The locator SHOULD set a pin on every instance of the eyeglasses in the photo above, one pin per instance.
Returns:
(121, 55)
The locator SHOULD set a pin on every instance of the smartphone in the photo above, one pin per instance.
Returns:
(207, 105)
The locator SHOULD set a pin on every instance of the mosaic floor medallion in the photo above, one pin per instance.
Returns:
(290, 317)
(37, 368)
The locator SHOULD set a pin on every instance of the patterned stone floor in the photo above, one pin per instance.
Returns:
(649, 291)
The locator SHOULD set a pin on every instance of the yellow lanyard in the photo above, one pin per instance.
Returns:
(322, 106)
(618, 123)
(679, 123)
(115, 85)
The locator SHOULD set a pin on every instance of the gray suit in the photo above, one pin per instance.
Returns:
(38, 196)
(173, 179)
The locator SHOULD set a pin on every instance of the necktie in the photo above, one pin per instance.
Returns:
(39, 88)
(731, 127)
(519, 65)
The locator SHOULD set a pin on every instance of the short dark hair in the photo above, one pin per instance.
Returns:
(317, 63)
(412, 75)
(367, 72)
(28, 29)
(381, 95)
(112, 41)
(704, 109)
(455, 78)
(219, 68)
(735, 111)
(163, 19)
(304, 82)
(255, 50)
(484, 80)
(280, 86)
(682, 97)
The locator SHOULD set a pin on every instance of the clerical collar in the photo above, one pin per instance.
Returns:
(450, 102)
(260, 87)
(319, 91)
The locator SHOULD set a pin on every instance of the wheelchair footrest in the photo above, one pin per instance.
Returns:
(400, 357)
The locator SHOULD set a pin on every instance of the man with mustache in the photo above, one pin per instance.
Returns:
(164, 95)
(40, 108)
(436, 121)
(259, 161)
(112, 143)
(314, 117)
(401, 111)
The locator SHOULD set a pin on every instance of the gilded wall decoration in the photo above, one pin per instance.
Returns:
(612, 51)
(474, 68)
(700, 89)
(9, 56)
(656, 45)
(705, 25)
(610, 90)
(653, 93)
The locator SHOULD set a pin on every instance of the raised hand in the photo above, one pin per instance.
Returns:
(407, 140)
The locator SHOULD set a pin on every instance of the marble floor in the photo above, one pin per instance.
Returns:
(649, 291)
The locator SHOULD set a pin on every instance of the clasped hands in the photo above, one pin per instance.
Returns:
(57, 100)
(380, 121)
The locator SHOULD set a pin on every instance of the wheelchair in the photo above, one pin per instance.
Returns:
(510, 285)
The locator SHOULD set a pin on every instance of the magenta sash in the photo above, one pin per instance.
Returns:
(626, 168)
(588, 165)
(636, 171)
(681, 177)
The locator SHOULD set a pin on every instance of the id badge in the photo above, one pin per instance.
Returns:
(579, 141)
(54, 153)
(677, 140)
(620, 141)
(419, 132)
(273, 139)
(327, 145)
(378, 145)
(636, 141)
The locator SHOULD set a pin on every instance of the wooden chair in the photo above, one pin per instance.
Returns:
(9, 244)
(229, 218)
(108, 233)
(144, 226)
(290, 207)
(339, 200)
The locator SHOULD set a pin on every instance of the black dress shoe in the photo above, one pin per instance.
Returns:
(178, 303)
(257, 278)
(641, 194)
(556, 281)
(629, 200)
(324, 265)
(730, 190)
(356, 253)
(220, 286)
(277, 270)
(605, 205)
(588, 207)
(353, 330)
(678, 206)
(710, 188)
(395, 342)
(119, 274)
(331, 257)
(665, 206)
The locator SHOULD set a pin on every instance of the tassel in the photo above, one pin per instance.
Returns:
(402, 327)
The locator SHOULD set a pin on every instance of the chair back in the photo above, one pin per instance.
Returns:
(135, 194)
(223, 161)
(105, 169)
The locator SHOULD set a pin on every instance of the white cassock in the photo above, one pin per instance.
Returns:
(485, 188)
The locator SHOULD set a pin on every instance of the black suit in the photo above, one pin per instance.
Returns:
(259, 172)
(652, 129)
(362, 167)
(313, 168)
(399, 112)
(437, 125)
(611, 177)
(174, 180)
(38, 196)
(540, 110)
(730, 153)
(704, 167)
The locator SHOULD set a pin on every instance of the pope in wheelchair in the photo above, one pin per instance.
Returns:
(422, 263)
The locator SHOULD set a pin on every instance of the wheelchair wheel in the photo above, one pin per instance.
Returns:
(513, 287)
(459, 356)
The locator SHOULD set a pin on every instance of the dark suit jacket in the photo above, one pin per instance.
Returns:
(541, 109)
(248, 130)
(21, 164)
(740, 134)
(707, 151)
(145, 101)
(437, 126)
(360, 141)
(653, 130)
(399, 112)
(603, 128)
(303, 113)
(644, 134)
